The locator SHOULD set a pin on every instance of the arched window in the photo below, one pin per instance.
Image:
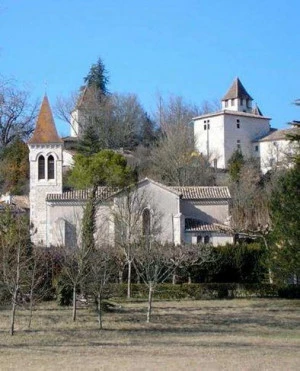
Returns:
(41, 167)
(50, 167)
(146, 222)
(206, 239)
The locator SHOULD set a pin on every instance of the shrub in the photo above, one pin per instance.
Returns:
(289, 292)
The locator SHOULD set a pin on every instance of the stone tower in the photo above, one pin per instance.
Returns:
(45, 159)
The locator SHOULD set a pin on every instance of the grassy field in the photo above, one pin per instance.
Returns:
(258, 334)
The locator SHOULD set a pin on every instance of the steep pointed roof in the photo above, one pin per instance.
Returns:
(45, 130)
(237, 90)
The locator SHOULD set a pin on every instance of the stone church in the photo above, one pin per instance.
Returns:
(181, 214)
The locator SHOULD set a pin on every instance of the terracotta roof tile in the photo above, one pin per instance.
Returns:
(280, 134)
(45, 130)
(195, 225)
(102, 193)
(198, 193)
(237, 90)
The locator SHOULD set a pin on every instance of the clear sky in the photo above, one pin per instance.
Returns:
(193, 48)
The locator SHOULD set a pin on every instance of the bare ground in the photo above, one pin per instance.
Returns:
(258, 334)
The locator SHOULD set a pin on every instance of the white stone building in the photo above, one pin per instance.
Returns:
(186, 214)
(238, 126)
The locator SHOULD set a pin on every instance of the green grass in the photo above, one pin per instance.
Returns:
(241, 334)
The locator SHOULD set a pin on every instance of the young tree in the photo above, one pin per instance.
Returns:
(101, 269)
(15, 258)
(127, 214)
(156, 262)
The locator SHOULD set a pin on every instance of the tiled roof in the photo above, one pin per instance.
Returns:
(198, 193)
(195, 225)
(280, 134)
(237, 90)
(45, 130)
(187, 193)
(82, 195)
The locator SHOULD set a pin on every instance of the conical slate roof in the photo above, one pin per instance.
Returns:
(237, 90)
(45, 130)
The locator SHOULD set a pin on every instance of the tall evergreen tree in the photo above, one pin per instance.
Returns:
(98, 77)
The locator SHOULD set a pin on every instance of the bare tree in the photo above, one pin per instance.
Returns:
(101, 269)
(75, 264)
(17, 113)
(127, 215)
(15, 258)
(156, 262)
(174, 159)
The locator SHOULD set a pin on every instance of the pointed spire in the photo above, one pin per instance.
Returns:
(45, 130)
(237, 90)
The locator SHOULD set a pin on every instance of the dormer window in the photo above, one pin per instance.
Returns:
(226, 103)
(41, 167)
(242, 101)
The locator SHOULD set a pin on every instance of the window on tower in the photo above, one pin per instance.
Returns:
(50, 167)
(41, 167)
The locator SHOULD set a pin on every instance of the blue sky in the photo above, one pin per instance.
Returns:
(192, 48)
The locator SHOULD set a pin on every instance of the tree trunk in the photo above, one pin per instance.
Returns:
(15, 293)
(74, 304)
(189, 278)
(129, 280)
(149, 310)
(13, 312)
(99, 311)
(174, 278)
(120, 275)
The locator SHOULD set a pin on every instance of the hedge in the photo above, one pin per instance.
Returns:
(196, 291)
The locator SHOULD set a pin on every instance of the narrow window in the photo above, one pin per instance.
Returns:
(208, 126)
(232, 102)
(238, 125)
(256, 148)
(206, 239)
(215, 163)
(199, 239)
(238, 144)
(41, 167)
(146, 222)
(226, 103)
(50, 167)
(204, 127)
(242, 101)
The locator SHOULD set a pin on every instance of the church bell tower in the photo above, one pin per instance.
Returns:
(45, 159)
